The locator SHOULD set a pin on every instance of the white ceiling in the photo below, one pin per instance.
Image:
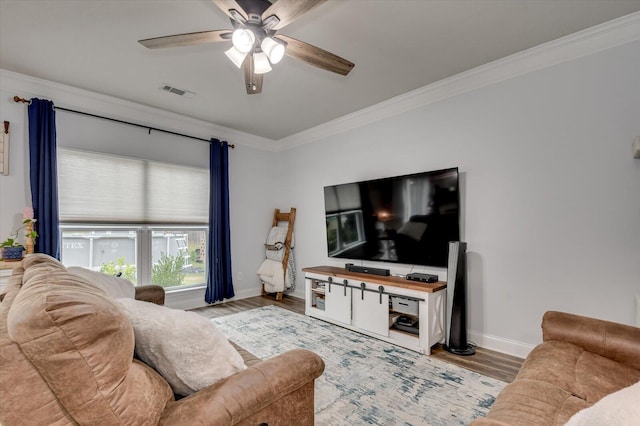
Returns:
(397, 46)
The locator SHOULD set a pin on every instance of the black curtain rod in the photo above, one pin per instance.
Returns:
(19, 99)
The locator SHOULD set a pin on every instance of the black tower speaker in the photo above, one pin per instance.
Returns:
(456, 339)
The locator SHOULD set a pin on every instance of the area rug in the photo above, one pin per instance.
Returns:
(366, 381)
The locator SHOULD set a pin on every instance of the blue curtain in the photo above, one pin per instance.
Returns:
(43, 172)
(219, 279)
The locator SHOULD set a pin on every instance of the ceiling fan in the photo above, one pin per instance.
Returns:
(256, 46)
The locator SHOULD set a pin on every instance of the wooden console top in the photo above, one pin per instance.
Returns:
(334, 271)
(9, 265)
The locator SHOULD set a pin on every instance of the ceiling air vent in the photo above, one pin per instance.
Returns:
(180, 92)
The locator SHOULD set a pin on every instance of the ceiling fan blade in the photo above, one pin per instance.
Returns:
(188, 39)
(227, 5)
(315, 56)
(288, 11)
(252, 81)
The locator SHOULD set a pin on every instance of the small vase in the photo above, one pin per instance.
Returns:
(12, 254)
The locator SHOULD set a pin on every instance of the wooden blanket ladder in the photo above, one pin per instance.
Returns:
(290, 218)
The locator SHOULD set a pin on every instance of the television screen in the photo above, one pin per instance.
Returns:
(404, 219)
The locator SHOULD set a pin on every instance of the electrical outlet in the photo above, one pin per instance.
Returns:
(239, 275)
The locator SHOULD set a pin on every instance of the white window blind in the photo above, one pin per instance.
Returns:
(95, 187)
(342, 197)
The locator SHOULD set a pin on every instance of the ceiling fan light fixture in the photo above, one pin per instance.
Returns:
(270, 22)
(236, 56)
(261, 63)
(274, 49)
(256, 43)
(243, 39)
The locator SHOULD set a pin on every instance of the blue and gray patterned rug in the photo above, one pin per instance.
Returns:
(366, 381)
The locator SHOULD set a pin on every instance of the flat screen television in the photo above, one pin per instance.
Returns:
(406, 219)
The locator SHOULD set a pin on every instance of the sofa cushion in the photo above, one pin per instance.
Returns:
(534, 402)
(24, 393)
(552, 362)
(570, 367)
(619, 408)
(81, 344)
(185, 348)
(599, 376)
(248, 358)
(115, 287)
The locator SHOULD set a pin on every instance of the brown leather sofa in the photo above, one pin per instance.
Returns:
(66, 356)
(580, 361)
(150, 293)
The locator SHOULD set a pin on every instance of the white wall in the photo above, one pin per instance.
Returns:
(550, 190)
(15, 193)
(251, 181)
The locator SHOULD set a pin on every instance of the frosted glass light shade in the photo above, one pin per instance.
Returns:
(236, 56)
(243, 40)
(274, 49)
(261, 63)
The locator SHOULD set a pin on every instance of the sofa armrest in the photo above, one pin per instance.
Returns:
(150, 293)
(245, 393)
(618, 342)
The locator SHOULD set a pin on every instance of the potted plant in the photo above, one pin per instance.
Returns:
(30, 234)
(12, 250)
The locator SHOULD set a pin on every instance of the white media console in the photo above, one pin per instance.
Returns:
(406, 313)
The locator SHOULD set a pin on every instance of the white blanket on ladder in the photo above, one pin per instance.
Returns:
(271, 272)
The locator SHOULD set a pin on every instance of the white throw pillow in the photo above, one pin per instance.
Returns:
(184, 347)
(620, 408)
(115, 287)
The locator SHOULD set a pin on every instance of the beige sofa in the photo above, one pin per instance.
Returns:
(580, 361)
(67, 357)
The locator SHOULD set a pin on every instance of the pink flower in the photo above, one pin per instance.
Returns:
(27, 213)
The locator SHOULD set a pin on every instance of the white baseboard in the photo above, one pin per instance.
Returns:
(500, 344)
(185, 298)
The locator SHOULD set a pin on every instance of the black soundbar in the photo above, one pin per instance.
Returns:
(367, 270)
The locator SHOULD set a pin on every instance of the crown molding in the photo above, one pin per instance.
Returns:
(100, 104)
(586, 42)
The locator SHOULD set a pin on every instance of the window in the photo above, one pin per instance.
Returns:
(178, 255)
(144, 220)
(345, 226)
(345, 230)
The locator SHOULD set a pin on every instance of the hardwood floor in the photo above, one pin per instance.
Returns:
(490, 363)
(485, 361)
(214, 311)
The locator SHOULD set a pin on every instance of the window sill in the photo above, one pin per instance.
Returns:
(177, 289)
